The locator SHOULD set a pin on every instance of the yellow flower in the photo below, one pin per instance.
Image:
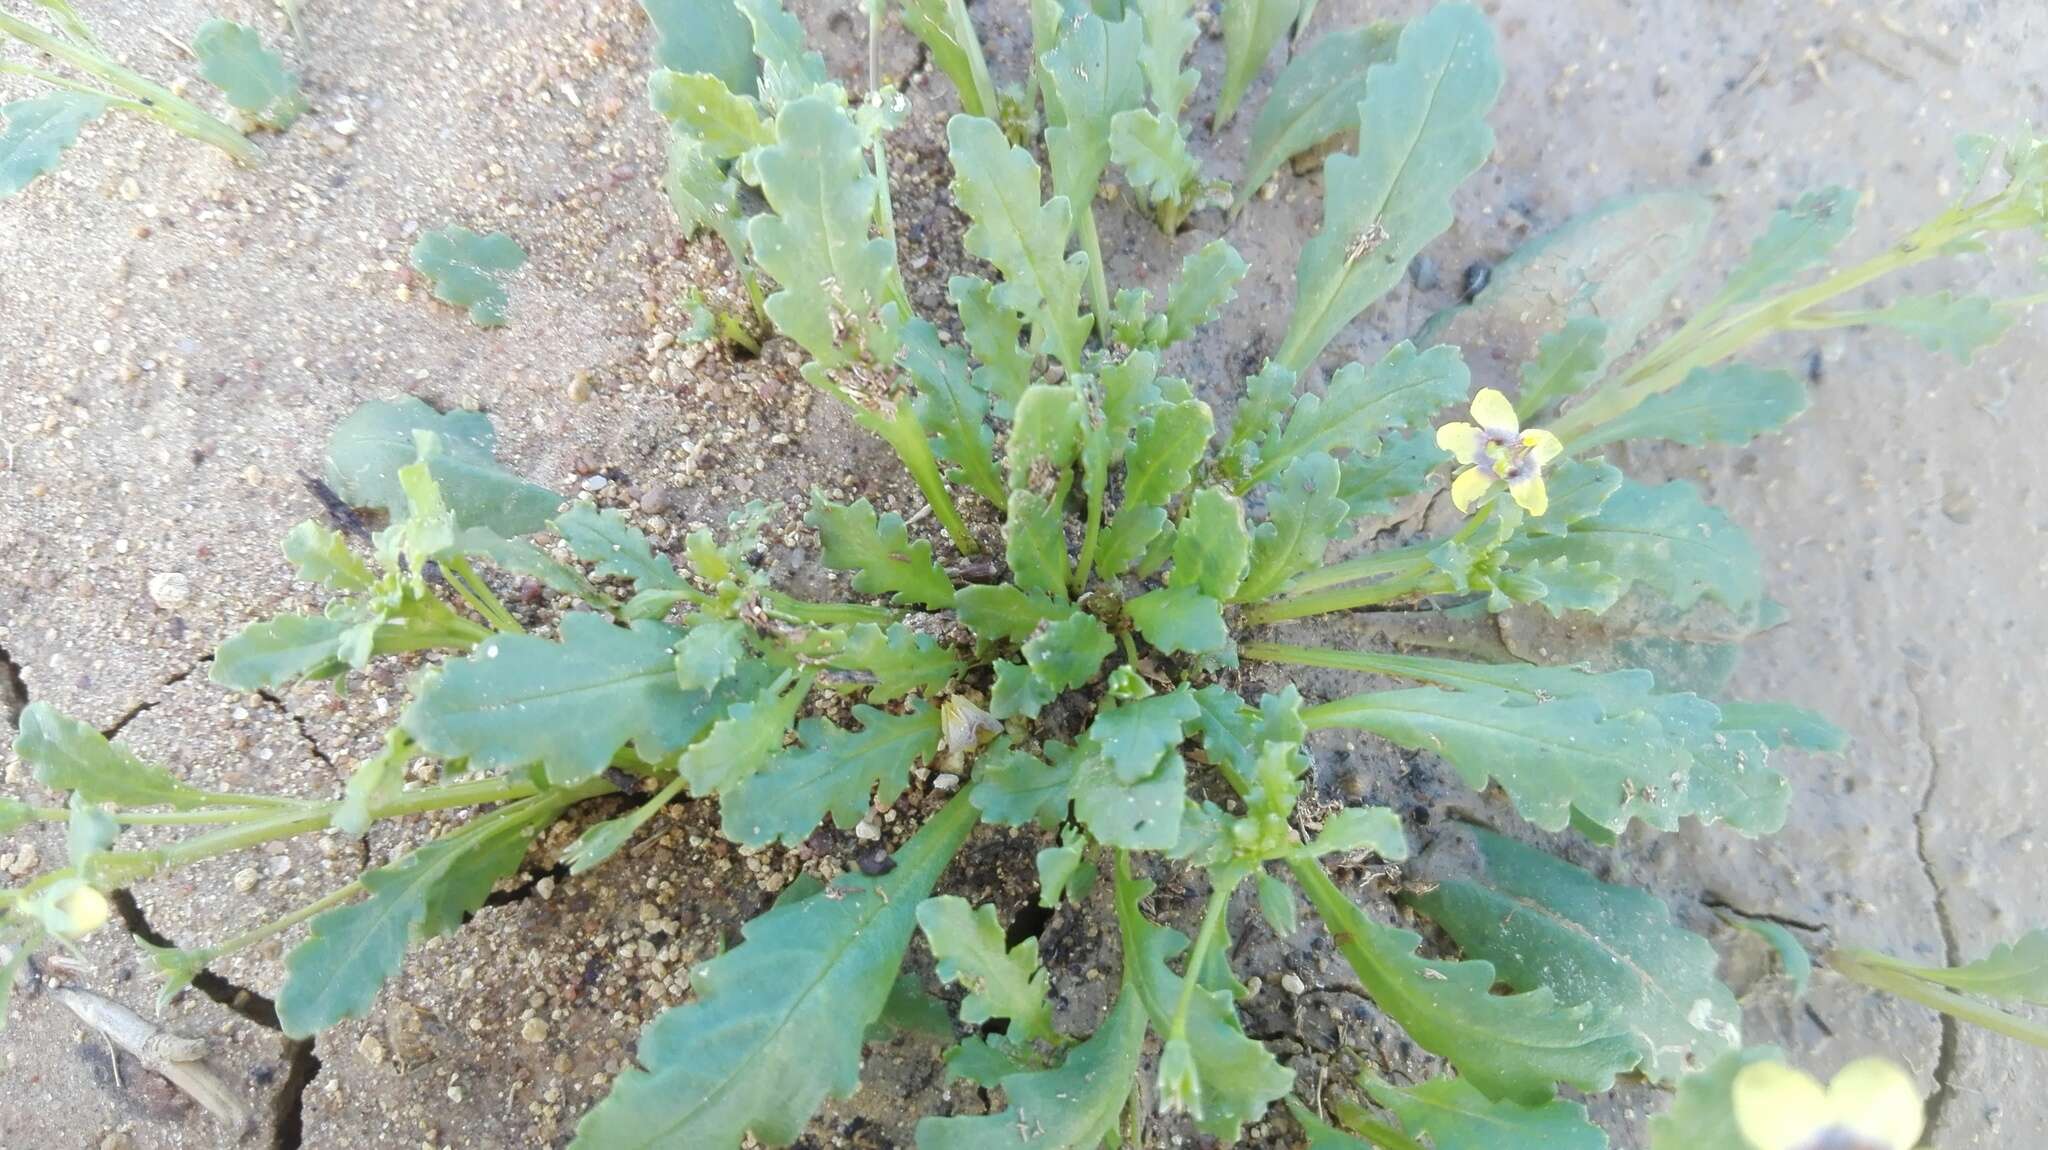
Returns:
(1496, 450)
(1871, 1105)
(74, 910)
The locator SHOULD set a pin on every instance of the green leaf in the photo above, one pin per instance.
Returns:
(1091, 76)
(1404, 389)
(702, 193)
(1068, 653)
(778, 1021)
(1455, 1116)
(992, 330)
(1170, 31)
(1303, 511)
(1545, 923)
(1168, 447)
(1002, 981)
(1513, 1047)
(279, 651)
(1000, 611)
(2014, 971)
(1322, 1135)
(913, 1010)
(468, 269)
(1236, 1077)
(1617, 264)
(1315, 98)
(1141, 815)
(1074, 1105)
(1353, 829)
(1045, 435)
(1702, 1115)
(710, 653)
(997, 186)
(743, 742)
(1792, 956)
(1213, 547)
(789, 70)
(321, 555)
(1423, 131)
(1207, 283)
(1019, 690)
(1250, 29)
(1268, 397)
(1370, 486)
(1137, 736)
(1730, 404)
(1944, 322)
(1797, 238)
(835, 275)
(1064, 872)
(944, 28)
(1015, 788)
(1035, 545)
(1666, 538)
(710, 36)
(1567, 362)
(1153, 153)
(353, 949)
(70, 756)
(519, 700)
(951, 410)
(600, 841)
(879, 552)
(894, 662)
(987, 1060)
(831, 770)
(1180, 619)
(375, 780)
(233, 59)
(1784, 725)
(702, 106)
(614, 547)
(367, 450)
(37, 132)
(1276, 905)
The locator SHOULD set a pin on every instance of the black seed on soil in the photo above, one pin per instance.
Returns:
(1422, 273)
(1477, 276)
(875, 861)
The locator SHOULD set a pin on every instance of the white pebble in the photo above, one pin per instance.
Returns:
(1291, 983)
(170, 589)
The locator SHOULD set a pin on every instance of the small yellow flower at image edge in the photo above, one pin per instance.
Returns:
(1870, 1105)
(1494, 450)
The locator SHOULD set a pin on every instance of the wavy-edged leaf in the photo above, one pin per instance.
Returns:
(1404, 389)
(1180, 619)
(1091, 76)
(1045, 435)
(69, 755)
(468, 269)
(1072, 1106)
(321, 555)
(1423, 131)
(1069, 652)
(711, 36)
(1015, 788)
(1019, 690)
(613, 547)
(1303, 512)
(279, 651)
(789, 69)
(1665, 537)
(1213, 546)
(1142, 815)
(1729, 404)
(1001, 611)
(744, 740)
(2014, 971)
(353, 949)
(1354, 829)
(997, 186)
(1136, 736)
(1371, 485)
(1153, 153)
(702, 192)
(37, 131)
(1315, 98)
(1454, 1115)
(1002, 981)
(1797, 238)
(993, 332)
(892, 663)
(232, 58)
(1568, 361)
(710, 653)
(1207, 283)
(1618, 264)
(367, 449)
(1064, 872)
(1543, 922)
(835, 275)
(1702, 1114)
(1035, 545)
(1514, 1047)
(1235, 1079)
(702, 105)
(1268, 397)
(1784, 725)
(1250, 29)
(831, 771)
(880, 553)
(1161, 464)
(951, 410)
(779, 1020)
(1942, 322)
(569, 705)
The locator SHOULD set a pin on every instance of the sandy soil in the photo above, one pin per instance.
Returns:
(178, 336)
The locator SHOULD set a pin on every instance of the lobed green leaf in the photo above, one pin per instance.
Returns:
(468, 269)
(1002, 981)
(68, 755)
(232, 58)
(37, 131)
(997, 186)
(879, 552)
(367, 449)
(1315, 98)
(831, 771)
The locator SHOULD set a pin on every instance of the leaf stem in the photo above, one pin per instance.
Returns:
(1205, 941)
(1881, 972)
(479, 596)
(55, 80)
(903, 432)
(1387, 561)
(1420, 579)
(977, 62)
(1098, 276)
(797, 610)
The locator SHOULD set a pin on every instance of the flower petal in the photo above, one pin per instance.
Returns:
(1462, 440)
(1529, 491)
(1495, 413)
(1542, 445)
(1879, 1101)
(1470, 487)
(1778, 1107)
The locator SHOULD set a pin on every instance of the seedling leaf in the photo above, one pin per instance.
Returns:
(879, 551)
(832, 771)
(232, 58)
(1075, 1104)
(1315, 98)
(37, 131)
(1002, 981)
(469, 270)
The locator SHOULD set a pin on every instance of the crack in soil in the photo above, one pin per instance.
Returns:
(298, 722)
(1946, 1061)
(1715, 901)
(155, 697)
(302, 1065)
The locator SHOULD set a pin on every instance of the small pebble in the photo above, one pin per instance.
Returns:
(245, 880)
(595, 483)
(371, 1048)
(866, 831)
(170, 590)
(1291, 983)
(947, 781)
(534, 1030)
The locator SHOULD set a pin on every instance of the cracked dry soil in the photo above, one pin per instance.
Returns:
(179, 335)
